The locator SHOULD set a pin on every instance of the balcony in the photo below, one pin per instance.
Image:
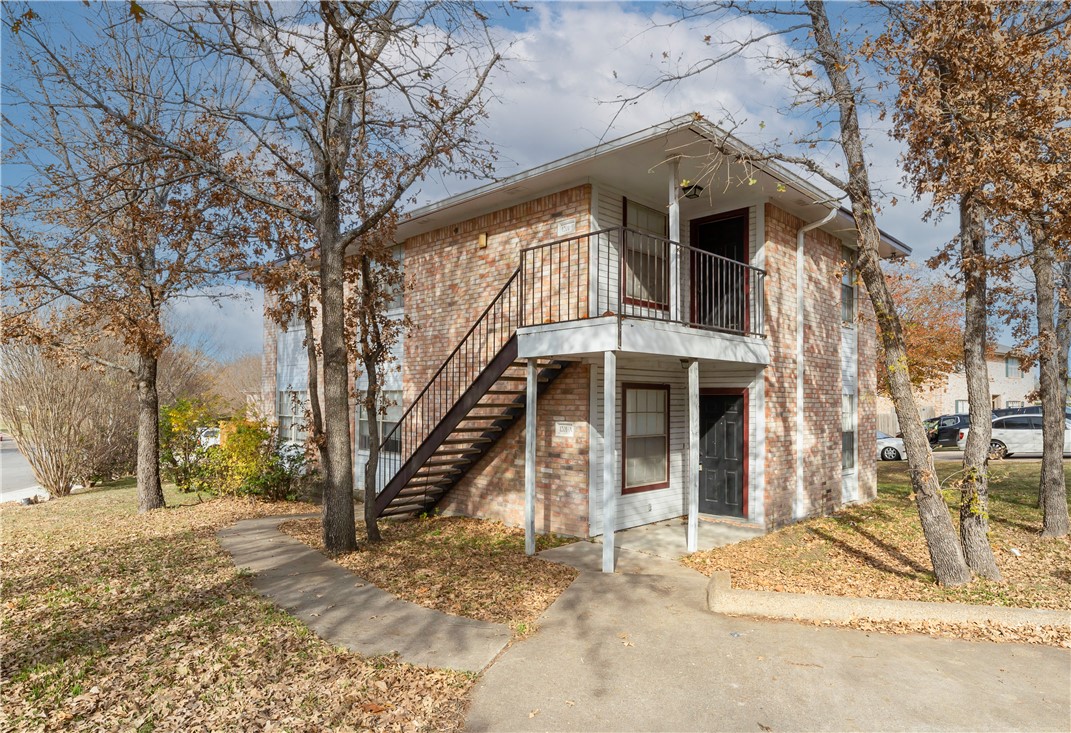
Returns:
(626, 290)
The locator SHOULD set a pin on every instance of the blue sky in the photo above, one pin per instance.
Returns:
(565, 63)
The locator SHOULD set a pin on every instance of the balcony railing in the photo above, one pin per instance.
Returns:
(638, 275)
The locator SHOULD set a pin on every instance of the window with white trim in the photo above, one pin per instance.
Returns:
(1011, 368)
(646, 256)
(387, 421)
(848, 431)
(962, 407)
(646, 437)
(290, 411)
(847, 286)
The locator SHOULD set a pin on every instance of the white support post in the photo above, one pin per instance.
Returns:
(609, 462)
(529, 458)
(674, 236)
(693, 456)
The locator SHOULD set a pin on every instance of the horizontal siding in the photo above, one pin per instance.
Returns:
(657, 505)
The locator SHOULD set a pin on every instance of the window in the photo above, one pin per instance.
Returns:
(1011, 368)
(387, 421)
(962, 407)
(847, 286)
(1023, 422)
(290, 410)
(646, 256)
(847, 435)
(646, 437)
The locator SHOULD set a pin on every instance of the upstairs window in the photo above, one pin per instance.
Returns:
(1011, 368)
(646, 263)
(847, 286)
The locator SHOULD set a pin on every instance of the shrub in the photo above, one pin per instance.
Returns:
(250, 461)
(185, 459)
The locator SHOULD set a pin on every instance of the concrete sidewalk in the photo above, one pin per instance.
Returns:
(345, 610)
(638, 651)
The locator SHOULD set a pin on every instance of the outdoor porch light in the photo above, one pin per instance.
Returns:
(691, 190)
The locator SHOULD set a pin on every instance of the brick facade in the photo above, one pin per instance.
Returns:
(494, 487)
(822, 375)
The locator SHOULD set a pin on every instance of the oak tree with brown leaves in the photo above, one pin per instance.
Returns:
(104, 230)
(982, 106)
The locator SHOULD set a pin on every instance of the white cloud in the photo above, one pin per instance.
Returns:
(227, 327)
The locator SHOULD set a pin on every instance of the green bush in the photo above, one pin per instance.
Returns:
(185, 460)
(250, 461)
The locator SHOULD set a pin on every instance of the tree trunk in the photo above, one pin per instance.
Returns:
(371, 352)
(150, 493)
(974, 499)
(945, 552)
(316, 429)
(1053, 491)
(336, 457)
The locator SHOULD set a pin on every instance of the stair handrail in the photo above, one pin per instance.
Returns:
(513, 314)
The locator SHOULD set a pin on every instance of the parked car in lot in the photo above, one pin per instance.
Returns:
(948, 427)
(890, 448)
(1017, 434)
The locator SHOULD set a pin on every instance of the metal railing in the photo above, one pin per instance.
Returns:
(487, 337)
(638, 275)
(619, 272)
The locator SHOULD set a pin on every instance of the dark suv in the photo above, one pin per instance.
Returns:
(948, 427)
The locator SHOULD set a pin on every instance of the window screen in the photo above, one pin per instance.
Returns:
(646, 437)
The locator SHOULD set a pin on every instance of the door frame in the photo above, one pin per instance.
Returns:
(741, 392)
(693, 225)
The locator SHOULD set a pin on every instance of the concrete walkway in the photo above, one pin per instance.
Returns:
(345, 610)
(638, 651)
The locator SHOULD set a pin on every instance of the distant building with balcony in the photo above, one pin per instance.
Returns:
(645, 330)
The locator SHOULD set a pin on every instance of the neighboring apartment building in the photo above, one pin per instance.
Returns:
(1009, 386)
(598, 346)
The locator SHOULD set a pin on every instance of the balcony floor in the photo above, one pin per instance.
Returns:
(592, 336)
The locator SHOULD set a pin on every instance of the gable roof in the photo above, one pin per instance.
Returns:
(640, 158)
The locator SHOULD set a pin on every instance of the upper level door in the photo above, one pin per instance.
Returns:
(719, 278)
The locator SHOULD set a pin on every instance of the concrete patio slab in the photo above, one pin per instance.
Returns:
(345, 610)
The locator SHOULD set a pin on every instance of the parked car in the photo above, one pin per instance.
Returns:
(890, 448)
(208, 437)
(1028, 410)
(1017, 434)
(948, 427)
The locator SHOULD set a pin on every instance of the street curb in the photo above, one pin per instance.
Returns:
(721, 598)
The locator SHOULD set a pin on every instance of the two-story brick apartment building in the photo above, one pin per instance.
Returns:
(598, 346)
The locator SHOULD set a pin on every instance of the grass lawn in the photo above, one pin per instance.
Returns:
(457, 565)
(114, 621)
(877, 549)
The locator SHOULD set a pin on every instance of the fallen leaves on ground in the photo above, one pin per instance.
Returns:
(877, 550)
(115, 621)
(458, 565)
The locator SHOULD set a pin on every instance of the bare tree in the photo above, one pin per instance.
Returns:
(830, 85)
(73, 425)
(348, 105)
(107, 229)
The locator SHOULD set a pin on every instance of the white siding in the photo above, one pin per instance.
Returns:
(652, 506)
(849, 371)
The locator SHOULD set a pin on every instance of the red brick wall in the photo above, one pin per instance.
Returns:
(822, 376)
(494, 487)
(868, 397)
(780, 375)
(450, 281)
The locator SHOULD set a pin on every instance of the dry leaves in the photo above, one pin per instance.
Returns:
(877, 550)
(114, 621)
(458, 565)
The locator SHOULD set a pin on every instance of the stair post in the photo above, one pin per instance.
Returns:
(529, 457)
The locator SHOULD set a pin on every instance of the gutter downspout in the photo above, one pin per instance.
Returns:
(799, 506)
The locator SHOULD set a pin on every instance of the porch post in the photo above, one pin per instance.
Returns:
(609, 462)
(674, 236)
(529, 458)
(693, 456)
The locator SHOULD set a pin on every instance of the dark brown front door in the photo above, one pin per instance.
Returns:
(723, 454)
(719, 283)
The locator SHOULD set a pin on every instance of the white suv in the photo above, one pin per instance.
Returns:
(1017, 434)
